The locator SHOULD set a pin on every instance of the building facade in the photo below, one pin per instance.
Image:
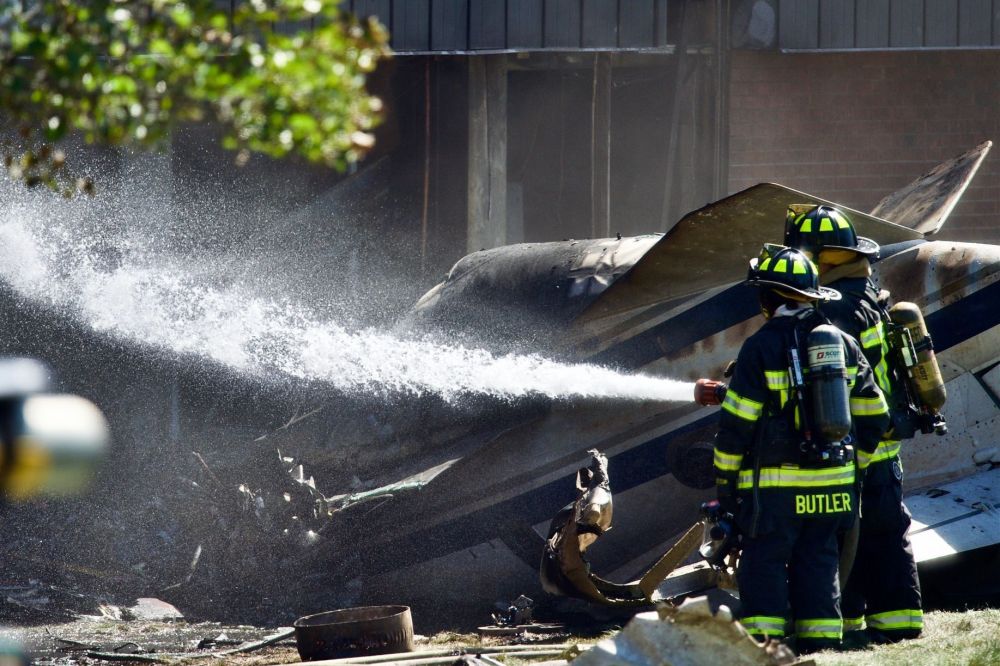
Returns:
(538, 120)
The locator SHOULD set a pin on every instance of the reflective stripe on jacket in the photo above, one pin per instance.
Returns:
(858, 314)
(759, 390)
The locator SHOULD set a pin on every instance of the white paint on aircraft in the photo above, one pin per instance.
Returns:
(956, 517)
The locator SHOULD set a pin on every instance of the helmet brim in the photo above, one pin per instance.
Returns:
(865, 246)
(820, 294)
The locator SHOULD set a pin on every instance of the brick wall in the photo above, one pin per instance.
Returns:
(853, 127)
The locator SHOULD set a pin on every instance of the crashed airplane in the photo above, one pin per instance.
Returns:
(447, 507)
(467, 526)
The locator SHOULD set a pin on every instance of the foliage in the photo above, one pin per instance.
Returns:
(125, 72)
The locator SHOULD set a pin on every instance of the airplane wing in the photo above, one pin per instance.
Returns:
(956, 517)
(925, 204)
(711, 246)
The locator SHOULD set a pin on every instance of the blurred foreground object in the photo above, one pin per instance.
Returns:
(12, 654)
(51, 443)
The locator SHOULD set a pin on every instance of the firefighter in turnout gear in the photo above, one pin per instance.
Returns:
(883, 591)
(791, 487)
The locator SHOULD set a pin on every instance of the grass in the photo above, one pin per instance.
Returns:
(949, 638)
(969, 638)
(448, 638)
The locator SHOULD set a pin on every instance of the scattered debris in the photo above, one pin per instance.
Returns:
(688, 635)
(355, 632)
(147, 608)
(114, 656)
(460, 654)
(518, 620)
(219, 641)
(519, 612)
(564, 568)
(189, 656)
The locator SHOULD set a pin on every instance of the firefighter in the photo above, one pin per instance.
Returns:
(883, 591)
(790, 499)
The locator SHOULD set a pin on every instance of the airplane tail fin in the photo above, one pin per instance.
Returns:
(925, 204)
(711, 246)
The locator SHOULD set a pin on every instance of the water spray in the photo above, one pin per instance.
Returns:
(131, 289)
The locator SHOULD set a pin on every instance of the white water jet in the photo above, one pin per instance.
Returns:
(134, 290)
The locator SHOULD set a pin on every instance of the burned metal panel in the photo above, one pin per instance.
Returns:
(871, 30)
(524, 23)
(957, 517)
(487, 25)
(747, 219)
(599, 24)
(379, 8)
(941, 23)
(906, 23)
(925, 204)
(528, 291)
(798, 24)
(562, 24)
(836, 24)
(637, 24)
(449, 25)
(661, 23)
(411, 28)
(975, 20)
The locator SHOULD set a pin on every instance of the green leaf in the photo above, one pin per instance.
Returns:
(182, 16)
(302, 124)
(161, 47)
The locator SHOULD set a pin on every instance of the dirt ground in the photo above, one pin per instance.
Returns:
(966, 637)
(71, 642)
(77, 642)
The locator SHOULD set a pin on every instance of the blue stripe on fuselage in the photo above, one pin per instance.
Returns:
(644, 462)
(965, 318)
(639, 464)
(729, 308)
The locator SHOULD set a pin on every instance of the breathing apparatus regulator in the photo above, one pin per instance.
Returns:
(912, 356)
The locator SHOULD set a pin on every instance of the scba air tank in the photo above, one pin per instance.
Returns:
(924, 373)
(831, 409)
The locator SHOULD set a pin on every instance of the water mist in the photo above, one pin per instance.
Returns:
(101, 262)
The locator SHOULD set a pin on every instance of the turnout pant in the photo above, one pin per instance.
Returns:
(789, 569)
(883, 590)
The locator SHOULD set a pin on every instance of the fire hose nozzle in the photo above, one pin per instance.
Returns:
(709, 392)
